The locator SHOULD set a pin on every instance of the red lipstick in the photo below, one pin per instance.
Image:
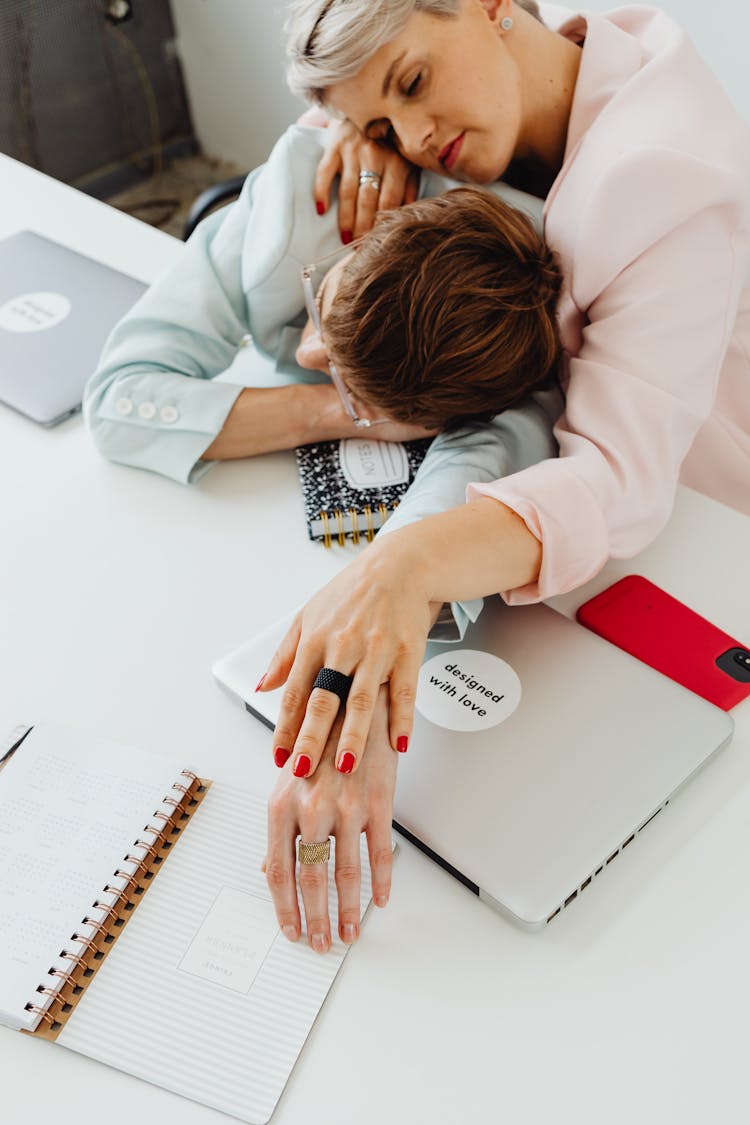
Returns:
(450, 153)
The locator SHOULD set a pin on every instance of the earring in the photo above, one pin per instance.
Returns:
(506, 23)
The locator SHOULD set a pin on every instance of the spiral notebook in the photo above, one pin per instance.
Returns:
(136, 926)
(350, 487)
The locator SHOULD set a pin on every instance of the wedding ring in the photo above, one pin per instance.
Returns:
(336, 682)
(368, 178)
(314, 853)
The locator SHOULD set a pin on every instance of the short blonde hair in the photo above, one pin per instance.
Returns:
(328, 41)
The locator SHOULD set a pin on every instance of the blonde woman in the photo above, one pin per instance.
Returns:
(644, 168)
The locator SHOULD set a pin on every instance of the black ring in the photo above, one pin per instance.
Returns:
(336, 682)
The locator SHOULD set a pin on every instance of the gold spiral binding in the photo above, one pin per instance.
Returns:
(110, 911)
(160, 834)
(138, 861)
(43, 1012)
(66, 977)
(354, 517)
(97, 945)
(99, 927)
(340, 531)
(128, 877)
(74, 957)
(326, 529)
(88, 942)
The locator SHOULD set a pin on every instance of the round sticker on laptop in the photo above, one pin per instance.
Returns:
(465, 689)
(34, 312)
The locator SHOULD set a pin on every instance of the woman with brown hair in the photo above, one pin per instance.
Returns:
(445, 313)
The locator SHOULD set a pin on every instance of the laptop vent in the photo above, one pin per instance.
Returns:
(605, 863)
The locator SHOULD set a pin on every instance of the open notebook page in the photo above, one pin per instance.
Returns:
(71, 808)
(201, 994)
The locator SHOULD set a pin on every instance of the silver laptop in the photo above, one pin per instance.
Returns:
(539, 752)
(57, 308)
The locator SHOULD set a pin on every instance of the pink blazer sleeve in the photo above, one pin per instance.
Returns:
(660, 262)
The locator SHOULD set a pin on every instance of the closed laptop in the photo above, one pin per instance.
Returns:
(57, 308)
(539, 752)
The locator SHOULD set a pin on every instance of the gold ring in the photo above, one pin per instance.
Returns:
(314, 853)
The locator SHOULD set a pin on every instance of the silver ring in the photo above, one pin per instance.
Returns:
(368, 178)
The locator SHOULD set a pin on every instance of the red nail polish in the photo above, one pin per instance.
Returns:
(346, 762)
(346, 237)
(261, 681)
(302, 766)
(281, 756)
(320, 207)
(402, 743)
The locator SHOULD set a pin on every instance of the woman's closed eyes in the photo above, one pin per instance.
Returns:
(412, 87)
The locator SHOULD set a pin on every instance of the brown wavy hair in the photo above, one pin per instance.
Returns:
(446, 312)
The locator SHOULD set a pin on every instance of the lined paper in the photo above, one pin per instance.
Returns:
(71, 808)
(201, 994)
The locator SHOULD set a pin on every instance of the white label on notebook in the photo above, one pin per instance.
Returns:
(34, 312)
(373, 464)
(233, 940)
(467, 690)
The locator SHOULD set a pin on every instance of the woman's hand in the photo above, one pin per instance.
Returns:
(330, 804)
(348, 153)
(370, 622)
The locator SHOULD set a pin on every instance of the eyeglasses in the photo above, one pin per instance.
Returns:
(312, 279)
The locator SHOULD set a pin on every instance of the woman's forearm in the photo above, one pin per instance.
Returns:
(468, 552)
(265, 419)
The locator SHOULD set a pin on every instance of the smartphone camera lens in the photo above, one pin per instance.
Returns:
(735, 662)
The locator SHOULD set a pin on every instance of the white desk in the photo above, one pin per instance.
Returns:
(119, 589)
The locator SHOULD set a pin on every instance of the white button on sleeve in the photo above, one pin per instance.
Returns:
(169, 414)
(124, 406)
(147, 411)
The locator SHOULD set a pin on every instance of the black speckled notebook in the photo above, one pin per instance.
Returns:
(350, 487)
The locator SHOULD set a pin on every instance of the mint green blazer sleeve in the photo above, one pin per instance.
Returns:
(512, 441)
(154, 401)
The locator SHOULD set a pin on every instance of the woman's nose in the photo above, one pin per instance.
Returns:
(414, 132)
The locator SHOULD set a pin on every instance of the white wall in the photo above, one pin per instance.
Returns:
(233, 59)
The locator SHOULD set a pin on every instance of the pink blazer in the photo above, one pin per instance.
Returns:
(650, 217)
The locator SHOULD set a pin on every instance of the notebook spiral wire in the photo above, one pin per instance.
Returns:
(335, 527)
(104, 929)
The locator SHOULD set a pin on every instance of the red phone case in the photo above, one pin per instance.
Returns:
(650, 624)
